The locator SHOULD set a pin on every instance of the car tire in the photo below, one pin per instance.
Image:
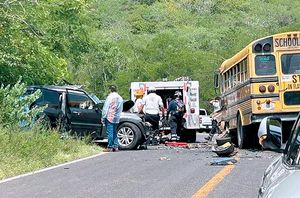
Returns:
(129, 136)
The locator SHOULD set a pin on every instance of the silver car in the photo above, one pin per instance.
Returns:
(282, 177)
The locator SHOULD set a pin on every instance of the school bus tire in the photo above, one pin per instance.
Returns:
(242, 138)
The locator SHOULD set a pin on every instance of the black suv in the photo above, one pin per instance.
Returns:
(80, 112)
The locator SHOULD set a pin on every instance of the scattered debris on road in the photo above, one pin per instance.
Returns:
(177, 144)
(223, 161)
(164, 158)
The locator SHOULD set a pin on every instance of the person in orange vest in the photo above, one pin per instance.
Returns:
(138, 100)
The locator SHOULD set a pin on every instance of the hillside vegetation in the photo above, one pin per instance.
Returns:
(98, 42)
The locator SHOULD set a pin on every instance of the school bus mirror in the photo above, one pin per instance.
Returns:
(216, 80)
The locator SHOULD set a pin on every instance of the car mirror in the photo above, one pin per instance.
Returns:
(270, 134)
(98, 106)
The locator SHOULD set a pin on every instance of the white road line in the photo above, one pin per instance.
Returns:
(49, 168)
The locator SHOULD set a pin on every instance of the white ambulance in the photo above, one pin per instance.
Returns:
(190, 94)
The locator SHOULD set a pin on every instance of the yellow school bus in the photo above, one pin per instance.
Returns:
(262, 79)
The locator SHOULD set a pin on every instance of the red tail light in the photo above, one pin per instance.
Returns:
(262, 89)
(271, 88)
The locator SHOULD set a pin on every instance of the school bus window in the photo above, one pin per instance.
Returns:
(242, 71)
(265, 65)
(292, 98)
(235, 78)
(239, 73)
(225, 86)
(226, 80)
(290, 63)
(231, 78)
(245, 70)
(223, 83)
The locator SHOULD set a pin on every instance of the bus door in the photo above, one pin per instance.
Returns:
(289, 78)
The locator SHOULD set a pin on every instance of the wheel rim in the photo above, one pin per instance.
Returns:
(125, 136)
(239, 131)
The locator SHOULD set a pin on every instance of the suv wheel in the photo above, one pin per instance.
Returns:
(129, 136)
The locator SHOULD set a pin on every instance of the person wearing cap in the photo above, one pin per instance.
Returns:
(151, 105)
(138, 100)
(176, 109)
(216, 104)
(111, 112)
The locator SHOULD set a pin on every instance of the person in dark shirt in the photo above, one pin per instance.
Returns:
(176, 111)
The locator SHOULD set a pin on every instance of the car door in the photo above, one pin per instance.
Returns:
(51, 99)
(82, 112)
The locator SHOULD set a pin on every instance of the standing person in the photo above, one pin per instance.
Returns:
(152, 104)
(216, 104)
(176, 109)
(111, 112)
(138, 101)
(214, 123)
(214, 129)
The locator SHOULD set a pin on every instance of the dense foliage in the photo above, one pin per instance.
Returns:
(98, 42)
(15, 106)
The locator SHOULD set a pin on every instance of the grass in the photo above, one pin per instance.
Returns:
(22, 152)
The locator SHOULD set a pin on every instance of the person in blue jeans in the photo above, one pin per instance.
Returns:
(111, 112)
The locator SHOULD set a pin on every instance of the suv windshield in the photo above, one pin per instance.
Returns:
(95, 98)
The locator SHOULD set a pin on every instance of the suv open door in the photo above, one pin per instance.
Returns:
(81, 112)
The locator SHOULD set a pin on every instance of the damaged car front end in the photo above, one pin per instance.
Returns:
(282, 177)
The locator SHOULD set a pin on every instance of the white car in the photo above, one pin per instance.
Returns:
(205, 121)
(282, 177)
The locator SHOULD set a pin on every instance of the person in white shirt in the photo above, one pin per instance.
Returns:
(151, 105)
(138, 101)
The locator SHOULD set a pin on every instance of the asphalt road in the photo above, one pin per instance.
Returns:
(157, 172)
